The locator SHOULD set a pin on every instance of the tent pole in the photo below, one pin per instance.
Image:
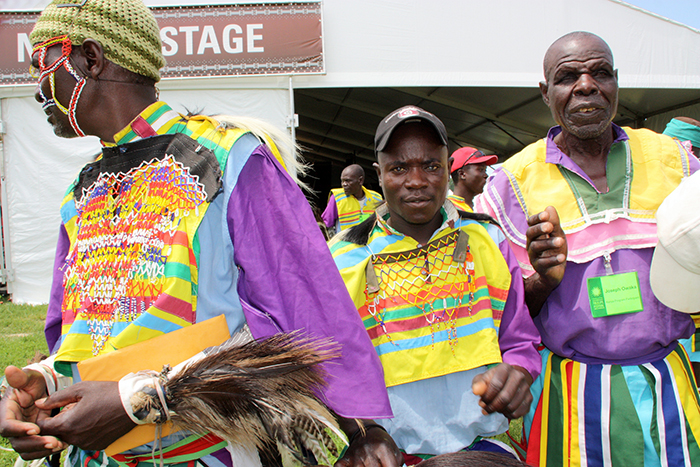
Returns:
(293, 119)
(6, 275)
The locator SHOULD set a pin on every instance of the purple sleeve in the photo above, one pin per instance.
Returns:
(693, 163)
(52, 327)
(330, 214)
(518, 336)
(288, 281)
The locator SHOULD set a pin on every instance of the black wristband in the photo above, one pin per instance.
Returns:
(365, 428)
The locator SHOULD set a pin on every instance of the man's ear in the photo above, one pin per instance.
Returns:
(543, 90)
(377, 169)
(94, 58)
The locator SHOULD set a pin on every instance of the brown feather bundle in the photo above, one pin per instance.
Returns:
(260, 394)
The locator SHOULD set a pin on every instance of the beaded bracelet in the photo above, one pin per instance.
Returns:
(364, 429)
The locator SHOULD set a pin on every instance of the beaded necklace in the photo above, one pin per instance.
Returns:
(424, 277)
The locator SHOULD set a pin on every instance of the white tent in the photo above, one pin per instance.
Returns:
(475, 64)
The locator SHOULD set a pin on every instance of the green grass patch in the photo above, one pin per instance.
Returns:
(21, 337)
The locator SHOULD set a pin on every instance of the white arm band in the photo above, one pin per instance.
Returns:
(54, 381)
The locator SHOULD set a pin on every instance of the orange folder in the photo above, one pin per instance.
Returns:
(168, 349)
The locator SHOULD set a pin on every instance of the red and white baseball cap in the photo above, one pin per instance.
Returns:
(467, 155)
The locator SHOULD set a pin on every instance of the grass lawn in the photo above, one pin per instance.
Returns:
(21, 336)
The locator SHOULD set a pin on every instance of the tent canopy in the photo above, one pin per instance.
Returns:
(477, 66)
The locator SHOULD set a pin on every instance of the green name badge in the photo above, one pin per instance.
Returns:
(615, 294)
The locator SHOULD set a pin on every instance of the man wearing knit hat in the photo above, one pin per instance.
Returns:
(164, 230)
(468, 172)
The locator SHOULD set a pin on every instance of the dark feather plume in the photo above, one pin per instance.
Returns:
(478, 216)
(359, 234)
(260, 394)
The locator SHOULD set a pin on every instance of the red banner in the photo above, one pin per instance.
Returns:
(224, 40)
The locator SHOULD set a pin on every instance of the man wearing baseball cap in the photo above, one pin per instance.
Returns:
(468, 172)
(442, 299)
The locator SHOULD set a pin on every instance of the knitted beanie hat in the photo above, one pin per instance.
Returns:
(126, 29)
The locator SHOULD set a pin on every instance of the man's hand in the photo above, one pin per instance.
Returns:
(505, 389)
(547, 249)
(375, 449)
(546, 246)
(20, 416)
(92, 417)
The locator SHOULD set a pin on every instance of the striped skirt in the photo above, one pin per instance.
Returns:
(612, 415)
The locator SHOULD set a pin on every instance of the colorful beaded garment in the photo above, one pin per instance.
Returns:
(433, 309)
(127, 226)
(434, 278)
(132, 264)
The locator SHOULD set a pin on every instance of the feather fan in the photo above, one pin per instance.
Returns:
(260, 395)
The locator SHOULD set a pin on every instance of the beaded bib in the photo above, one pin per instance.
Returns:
(132, 260)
